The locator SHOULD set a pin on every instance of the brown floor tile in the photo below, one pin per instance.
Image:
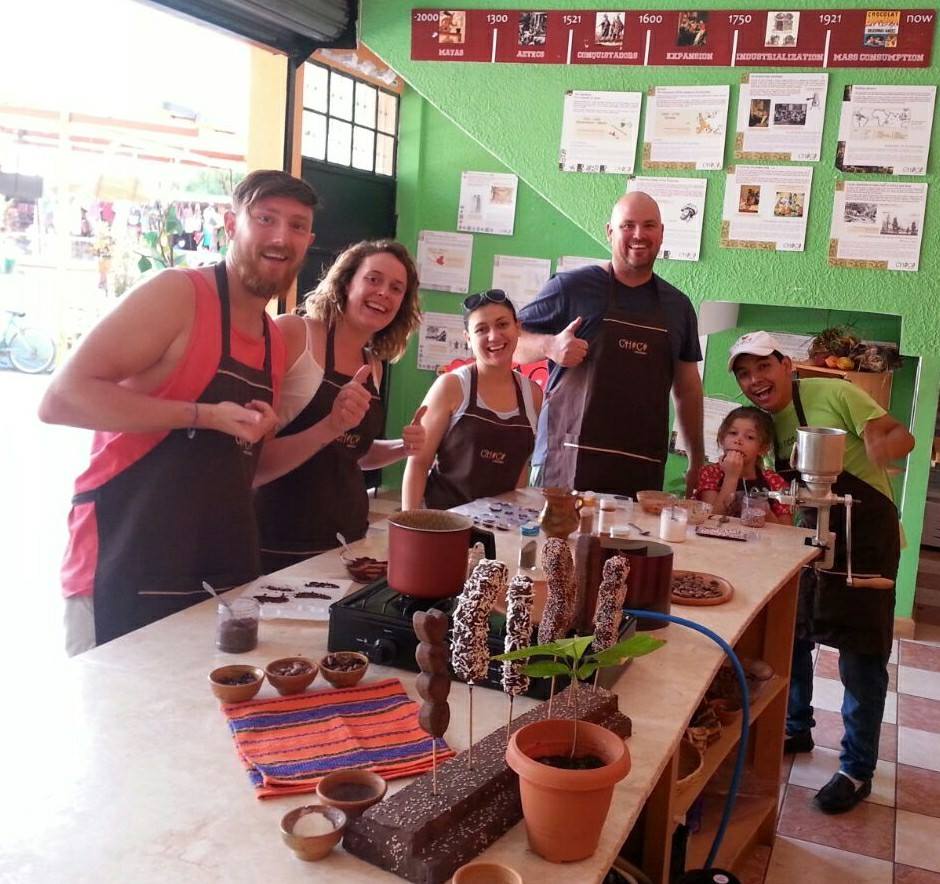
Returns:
(910, 875)
(828, 733)
(754, 868)
(867, 829)
(919, 712)
(827, 664)
(920, 656)
(918, 790)
(892, 676)
(785, 768)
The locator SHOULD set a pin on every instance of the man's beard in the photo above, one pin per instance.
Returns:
(254, 281)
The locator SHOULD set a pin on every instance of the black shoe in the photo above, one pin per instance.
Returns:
(795, 744)
(840, 794)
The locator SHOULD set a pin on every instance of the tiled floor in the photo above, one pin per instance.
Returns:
(893, 837)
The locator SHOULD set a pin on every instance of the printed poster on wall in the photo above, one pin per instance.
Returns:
(441, 340)
(682, 207)
(885, 129)
(780, 116)
(765, 207)
(599, 132)
(572, 262)
(487, 202)
(520, 278)
(444, 260)
(714, 412)
(877, 226)
(685, 127)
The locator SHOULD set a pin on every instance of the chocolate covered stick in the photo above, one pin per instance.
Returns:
(610, 598)
(559, 604)
(433, 684)
(518, 635)
(471, 656)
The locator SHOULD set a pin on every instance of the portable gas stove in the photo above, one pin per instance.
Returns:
(376, 620)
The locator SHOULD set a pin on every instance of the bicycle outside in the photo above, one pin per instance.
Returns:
(26, 349)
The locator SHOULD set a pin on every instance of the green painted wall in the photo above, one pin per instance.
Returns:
(508, 118)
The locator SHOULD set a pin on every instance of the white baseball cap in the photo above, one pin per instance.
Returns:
(759, 343)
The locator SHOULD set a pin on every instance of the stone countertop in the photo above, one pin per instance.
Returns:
(120, 765)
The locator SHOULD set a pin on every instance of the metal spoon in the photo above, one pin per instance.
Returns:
(211, 591)
(638, 529)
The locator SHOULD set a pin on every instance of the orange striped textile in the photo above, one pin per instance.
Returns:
(288, 744)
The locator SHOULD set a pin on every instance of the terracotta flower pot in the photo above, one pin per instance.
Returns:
(565, 809)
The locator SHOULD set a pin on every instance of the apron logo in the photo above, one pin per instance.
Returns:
(497, 457)
(639, 347)
(350, 440)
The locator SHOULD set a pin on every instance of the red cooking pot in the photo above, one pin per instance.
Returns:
(427, 552)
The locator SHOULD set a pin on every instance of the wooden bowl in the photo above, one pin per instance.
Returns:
(352, 791)
(235, 693)
(312, 847)
(486, 873)
(343, 678)
(652, 502)
(286, 684)
(725, 589)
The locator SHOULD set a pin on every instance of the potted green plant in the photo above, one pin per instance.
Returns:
(568, 768)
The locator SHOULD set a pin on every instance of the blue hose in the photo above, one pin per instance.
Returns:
(745, 717)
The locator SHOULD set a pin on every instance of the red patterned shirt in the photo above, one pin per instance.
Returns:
(712, 475)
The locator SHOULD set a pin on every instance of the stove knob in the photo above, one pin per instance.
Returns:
(382, 650)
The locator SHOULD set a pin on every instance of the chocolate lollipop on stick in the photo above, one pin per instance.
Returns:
(610, 598)
(558, 566)
(471, 656)
(433, 684)
(518, 635)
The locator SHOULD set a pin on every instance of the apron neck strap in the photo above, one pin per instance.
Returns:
(798, 404)
(221, 285)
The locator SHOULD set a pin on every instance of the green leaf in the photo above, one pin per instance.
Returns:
(561, 648)
(587, 669)
(144, 264)
(579, 646)
(635, 646)
(545, 669)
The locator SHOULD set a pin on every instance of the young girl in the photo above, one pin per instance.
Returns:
(745, 436)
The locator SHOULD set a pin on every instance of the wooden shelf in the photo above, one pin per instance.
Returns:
(750, 814)
(876, 384)
(719, 751)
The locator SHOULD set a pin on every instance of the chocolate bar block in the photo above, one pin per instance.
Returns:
(424, 837)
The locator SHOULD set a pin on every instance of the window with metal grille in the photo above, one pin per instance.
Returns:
(348, 122)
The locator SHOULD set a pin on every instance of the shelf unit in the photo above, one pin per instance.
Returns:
(876, 384)
(770, 638)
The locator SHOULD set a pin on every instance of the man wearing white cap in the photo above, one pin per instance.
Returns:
(858, 621)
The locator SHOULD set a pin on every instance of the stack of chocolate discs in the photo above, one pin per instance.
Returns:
(433, 684)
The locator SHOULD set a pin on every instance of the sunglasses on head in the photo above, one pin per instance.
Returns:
(490, 296)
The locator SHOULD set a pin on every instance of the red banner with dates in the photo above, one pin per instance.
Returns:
(807, 38)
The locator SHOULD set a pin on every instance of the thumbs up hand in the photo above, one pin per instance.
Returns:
(413, 436)
(351, 403)
(566, 348)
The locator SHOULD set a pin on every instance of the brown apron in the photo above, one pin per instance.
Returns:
(300, 513)
(482, 454)
(608, 418)
(182, 513)
(853, 618)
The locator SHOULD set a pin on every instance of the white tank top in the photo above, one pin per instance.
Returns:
(463, 375)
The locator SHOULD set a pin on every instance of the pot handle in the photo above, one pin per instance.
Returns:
(487, 538)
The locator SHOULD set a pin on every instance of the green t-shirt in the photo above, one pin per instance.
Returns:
(838, 405)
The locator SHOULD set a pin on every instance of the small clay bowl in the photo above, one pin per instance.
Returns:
(352, 791)
(290, 684)
(728, 711)
(652, 502)
(235, 693)
(343, 678)
(486, 873)
(312, 847)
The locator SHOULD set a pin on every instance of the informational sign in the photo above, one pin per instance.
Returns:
(487, 202)
(794, 346)
(682, 207)
(780, 116)
(520, 278)
(441, 340)
(444, 260)
(766, 207)
(599, 132)
(571, 262)
(885, 129)
(877, 226)
(806, 38)
(685, 127)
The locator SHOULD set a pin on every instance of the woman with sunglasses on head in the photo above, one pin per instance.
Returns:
(480, 419)
(362, 312)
